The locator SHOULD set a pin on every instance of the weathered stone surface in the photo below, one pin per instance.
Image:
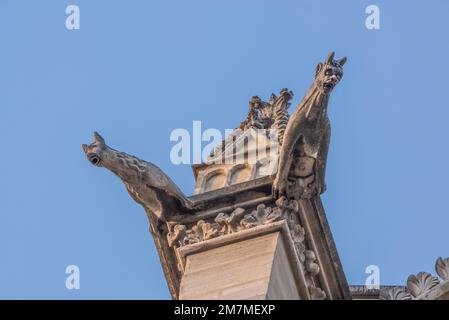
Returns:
(236, 201)
(251, 150)
(224, 224)
(303, 154)
(256, 267)
(240, 270)
(250, 159)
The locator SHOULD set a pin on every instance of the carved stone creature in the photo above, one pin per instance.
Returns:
(261, 116)
(303, 153)
(146, 183)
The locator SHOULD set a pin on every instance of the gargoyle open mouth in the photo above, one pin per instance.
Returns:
(94, 159)
(328, 85)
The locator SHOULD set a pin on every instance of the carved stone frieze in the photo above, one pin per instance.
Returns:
(262, 215)
(230, 223)
(397, 294)
(223, 224)
(421, 283)
(177, 236)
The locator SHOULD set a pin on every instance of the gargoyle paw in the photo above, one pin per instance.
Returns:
(279, 188)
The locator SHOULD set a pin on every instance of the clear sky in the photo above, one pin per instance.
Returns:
(136, 70)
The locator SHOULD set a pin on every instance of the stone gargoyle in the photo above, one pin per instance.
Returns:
(147, 184)
(303, 154)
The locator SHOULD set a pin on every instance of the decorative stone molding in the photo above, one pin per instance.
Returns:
(223, 224)
(180, 235)
(317, 293)
(290, 208)
(363, 292)
(397, 293)
(421, 285)
(298, 236)
(313, 269)
(311, 266)
(292, 268)
(177, 236)
(262, 215)
(442, 268)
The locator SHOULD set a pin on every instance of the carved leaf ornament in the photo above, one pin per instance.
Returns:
(421, 283)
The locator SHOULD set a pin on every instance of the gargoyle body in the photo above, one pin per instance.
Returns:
(303, 153)
(146, 183)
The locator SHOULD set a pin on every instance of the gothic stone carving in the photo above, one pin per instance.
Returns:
(397, 294)
(264, 115)
(146, 183)
(304, 139)
(251, 150)
(223, 224)
(180, 235)
(442, 268)
(303, 154)
(420, 284)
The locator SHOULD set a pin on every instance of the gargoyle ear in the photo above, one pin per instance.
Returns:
(330, 57)
(98, 138)
(85, 148)
(342, 61)
(319, 66)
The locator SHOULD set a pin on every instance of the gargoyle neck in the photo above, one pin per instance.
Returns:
(128, 168)
(315, 104)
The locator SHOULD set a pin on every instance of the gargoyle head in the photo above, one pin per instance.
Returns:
(97, 151)
(329, 73)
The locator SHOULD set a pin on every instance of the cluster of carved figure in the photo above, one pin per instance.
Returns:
(421, 284)
(223, 224)
(268, 116)
(239, 220)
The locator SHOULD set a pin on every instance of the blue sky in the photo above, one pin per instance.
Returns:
(136, 70)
